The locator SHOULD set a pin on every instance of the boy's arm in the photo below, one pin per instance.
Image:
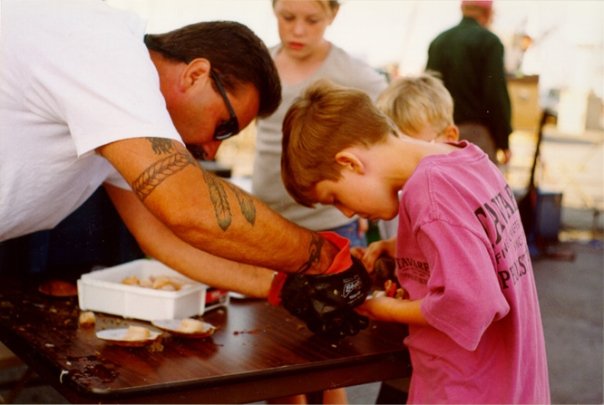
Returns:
(393, 310)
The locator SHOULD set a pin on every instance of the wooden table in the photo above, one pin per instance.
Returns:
(258, 352)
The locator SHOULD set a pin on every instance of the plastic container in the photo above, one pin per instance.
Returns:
(104, 291)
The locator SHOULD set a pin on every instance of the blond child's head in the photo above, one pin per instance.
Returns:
(324, 120)
(421, 107)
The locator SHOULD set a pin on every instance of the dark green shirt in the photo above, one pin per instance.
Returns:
(470, 59)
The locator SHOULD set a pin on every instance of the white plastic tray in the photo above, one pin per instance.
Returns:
(103, 291)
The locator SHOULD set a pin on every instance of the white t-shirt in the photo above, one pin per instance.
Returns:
(74, 75)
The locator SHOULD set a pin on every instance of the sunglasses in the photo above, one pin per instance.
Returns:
(229, 128)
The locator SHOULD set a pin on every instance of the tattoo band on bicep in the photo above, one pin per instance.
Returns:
(159, 171)
(314, 253)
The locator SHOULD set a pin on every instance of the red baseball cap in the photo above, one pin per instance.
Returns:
(478, 3)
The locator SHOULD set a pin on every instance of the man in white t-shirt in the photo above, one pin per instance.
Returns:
(87, 99)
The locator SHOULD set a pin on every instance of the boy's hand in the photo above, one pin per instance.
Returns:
(358, 252)
(325, 302)
(376, 250)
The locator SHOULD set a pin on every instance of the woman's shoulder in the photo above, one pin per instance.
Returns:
(350, 70)
(340, 55)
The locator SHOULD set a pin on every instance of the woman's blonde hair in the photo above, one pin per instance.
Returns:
(323, 121)
(328, 5)
(414, 102)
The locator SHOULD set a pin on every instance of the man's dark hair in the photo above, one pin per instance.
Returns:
(236, 54)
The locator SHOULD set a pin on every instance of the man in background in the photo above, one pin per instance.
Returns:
(470, 59)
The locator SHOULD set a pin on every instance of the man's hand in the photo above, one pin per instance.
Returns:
(325, 302)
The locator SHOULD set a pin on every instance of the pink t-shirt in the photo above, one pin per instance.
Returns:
(461, 247)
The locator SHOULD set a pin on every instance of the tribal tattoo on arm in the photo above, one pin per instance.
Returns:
(218, 196)
(161, 145)
(222, 208)
(314, 253)
(246, 204)
(175, 161)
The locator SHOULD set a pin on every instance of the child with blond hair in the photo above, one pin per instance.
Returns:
(475, 331)
(421, 107)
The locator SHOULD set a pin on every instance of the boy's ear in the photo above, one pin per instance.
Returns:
(350, 161)
(196, 70)
(451, 133)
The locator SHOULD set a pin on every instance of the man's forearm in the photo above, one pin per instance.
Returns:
(211, 214)
(158, 242)
(264, 238)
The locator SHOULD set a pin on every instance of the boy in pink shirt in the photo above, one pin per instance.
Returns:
(475, 332)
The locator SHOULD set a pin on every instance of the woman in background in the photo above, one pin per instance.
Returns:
(302, 57)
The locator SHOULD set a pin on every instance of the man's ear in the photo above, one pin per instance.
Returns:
(451, 133)
(196, 72)
(350, 161)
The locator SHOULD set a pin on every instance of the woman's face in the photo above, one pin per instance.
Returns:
(302, 25)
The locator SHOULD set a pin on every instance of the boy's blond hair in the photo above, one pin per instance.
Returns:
(414, 102)
(323, 121)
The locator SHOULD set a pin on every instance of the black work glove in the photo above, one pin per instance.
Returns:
(325, 302)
